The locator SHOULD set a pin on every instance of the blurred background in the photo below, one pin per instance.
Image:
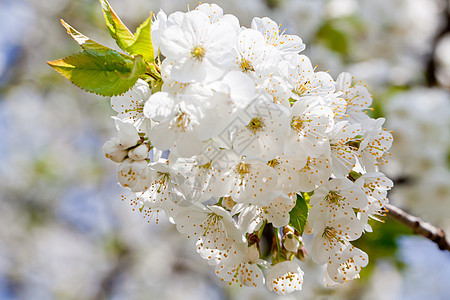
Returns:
(64, 232)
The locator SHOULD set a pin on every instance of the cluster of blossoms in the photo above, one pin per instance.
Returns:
(243, 129)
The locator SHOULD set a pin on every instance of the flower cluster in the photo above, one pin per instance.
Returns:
(243, 132)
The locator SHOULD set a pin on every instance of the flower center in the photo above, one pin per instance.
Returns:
(354, 144)
(162, 180)
(139, 109)
(182, 121)
(205, 166)
(331, 234)
(198, 52)
(347, 265)
(246, 66)
(302, 88)
(273, 163)
(255, 125)
(297, 123)
(243, 168)
(333, 197)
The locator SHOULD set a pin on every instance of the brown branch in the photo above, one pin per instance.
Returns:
(431, 232)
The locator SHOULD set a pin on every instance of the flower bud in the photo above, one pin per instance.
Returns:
(253, 253)
(128, 135)
(138, 153)
(113, 151)
(302, 253)
(291, 242)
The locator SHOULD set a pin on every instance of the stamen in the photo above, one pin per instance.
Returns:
(255, 125)
(198, 52)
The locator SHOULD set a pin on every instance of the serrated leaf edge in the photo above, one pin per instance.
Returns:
(112, 27)
(53, 63)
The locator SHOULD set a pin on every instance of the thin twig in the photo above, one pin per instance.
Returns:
(431, 232)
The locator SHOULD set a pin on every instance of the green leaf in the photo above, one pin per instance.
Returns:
(139, 43)
(143, 41)
(106, 73)
(307, 197)
(85, 42)
(299, 214)
(123, 36)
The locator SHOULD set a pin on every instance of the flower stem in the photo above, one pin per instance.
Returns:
(260, 230)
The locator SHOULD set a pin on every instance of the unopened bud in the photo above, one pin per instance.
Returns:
(253, 253)
(288, 229)
(138, 153)
(113, 151)
(302, 253)
(128, 135)
(291, 242)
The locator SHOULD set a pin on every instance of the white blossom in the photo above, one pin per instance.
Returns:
(213, 224)
(337, 198)
(345, 265)
(286, 44)
(198, 49)
(138, 153)
(114, 151)
(310, 124)
(332, 236)
(127, 134)
(130, 106)
(241, 265)
(357, 98)
(302, 80)
(285, 277)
